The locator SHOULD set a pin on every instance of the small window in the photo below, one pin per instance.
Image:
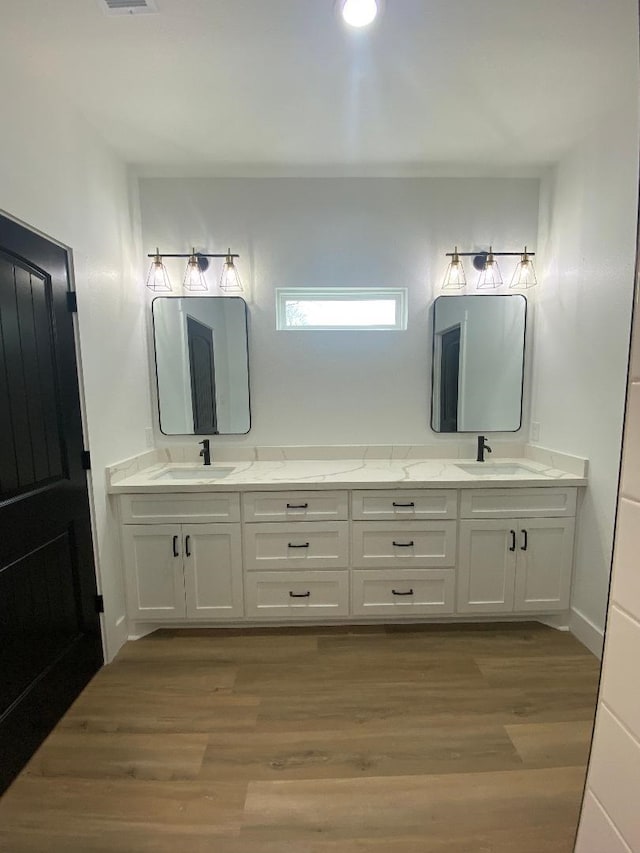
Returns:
(345, 308)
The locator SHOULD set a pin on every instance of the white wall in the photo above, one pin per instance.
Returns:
(609, 820)
(581, 334)
(339, 387)
(58, 177)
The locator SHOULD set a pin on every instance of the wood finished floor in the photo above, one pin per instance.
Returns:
(411, 740)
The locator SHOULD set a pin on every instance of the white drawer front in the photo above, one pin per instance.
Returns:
(194, 508)
(405, 505)
(405, 592)
(307, 595)
(518, 503)
(296, 506)
(409, 544)
(303, 545)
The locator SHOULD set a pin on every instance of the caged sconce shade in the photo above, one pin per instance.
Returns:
(194, 280)
(230, 280)
(194, 276)
(490, 278)
(158, 278)
(454, 278)
(524, 276)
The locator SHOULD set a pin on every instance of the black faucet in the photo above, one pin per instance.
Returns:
(205, 451)
(482, 446)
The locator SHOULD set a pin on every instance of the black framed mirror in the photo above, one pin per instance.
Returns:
(478, 363)
(202, 365)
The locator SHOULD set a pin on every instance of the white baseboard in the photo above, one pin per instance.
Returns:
(587, 632)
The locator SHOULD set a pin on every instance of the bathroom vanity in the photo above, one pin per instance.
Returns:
(267, 542)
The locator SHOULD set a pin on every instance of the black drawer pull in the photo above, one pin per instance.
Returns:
(525, 540)
(299, 594)
(395, 592)
(403, 544)
(513, 540)
(175, 547)
(187, 545)
(291, 545)
(395, 503)
(297, 506)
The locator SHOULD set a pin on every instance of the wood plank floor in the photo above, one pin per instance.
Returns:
(434, 739)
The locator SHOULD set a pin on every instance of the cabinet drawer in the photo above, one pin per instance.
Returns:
(406, 505)
(408, 544)
(405, 592)
(303, 545)
(296, 506)
(282, 595)
(194, 508)
(518, 503)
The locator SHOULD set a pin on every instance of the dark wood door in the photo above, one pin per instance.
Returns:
(49, 627)
(203, 378)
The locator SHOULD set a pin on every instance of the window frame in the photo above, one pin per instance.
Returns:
(347, 294)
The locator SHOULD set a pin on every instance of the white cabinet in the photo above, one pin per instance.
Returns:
(154, 571)
(191, 571)
(333, 555)
(515, 565)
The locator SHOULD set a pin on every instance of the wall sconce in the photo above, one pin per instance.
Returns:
(158, 278)
(230, 280)
(455, 278)
(490, 276)
(194, 280)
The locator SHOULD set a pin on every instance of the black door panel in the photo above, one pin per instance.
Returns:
(49, 629)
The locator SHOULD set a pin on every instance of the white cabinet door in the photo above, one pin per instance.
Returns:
(213, 571)
(545, 560)
(487, 566)
(153, 571)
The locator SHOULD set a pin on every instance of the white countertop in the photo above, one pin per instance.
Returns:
(310, 474)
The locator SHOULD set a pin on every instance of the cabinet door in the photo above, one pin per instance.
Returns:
(213, 571)
(153, 571)
(545, 560)
(486, 575)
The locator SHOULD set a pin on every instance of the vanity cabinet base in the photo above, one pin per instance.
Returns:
(347, 556)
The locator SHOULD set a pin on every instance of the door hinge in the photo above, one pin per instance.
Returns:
(99, 603)
(85, 459)
(72, 302)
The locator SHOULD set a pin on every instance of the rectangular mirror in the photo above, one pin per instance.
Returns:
(478, 363)
(202, 365)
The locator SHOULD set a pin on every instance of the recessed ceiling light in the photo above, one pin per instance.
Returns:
(359, 13)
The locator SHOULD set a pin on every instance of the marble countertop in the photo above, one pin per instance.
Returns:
(310, 474)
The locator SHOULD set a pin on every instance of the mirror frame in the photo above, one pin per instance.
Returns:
(433, 365)
(155, 362)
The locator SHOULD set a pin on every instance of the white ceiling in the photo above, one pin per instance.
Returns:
(248, 85)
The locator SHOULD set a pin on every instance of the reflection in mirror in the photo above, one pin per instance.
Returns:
(202, 368)
(478, 363)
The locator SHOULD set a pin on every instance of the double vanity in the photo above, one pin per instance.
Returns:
(286, 540)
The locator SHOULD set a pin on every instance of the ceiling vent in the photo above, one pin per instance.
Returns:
(128, 7)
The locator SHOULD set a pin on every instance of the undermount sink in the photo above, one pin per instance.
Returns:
(204, 472)
(505, 469)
